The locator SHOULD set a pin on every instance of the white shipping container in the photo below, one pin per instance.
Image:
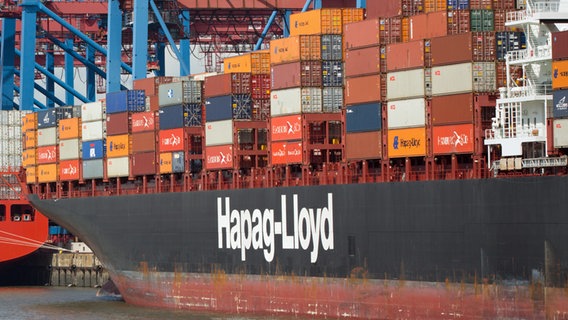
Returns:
(285, 101)
(560, 133)
(464, 77)
(118, 167)
(405, 84)
(93, 130)
(484, 77)
(92, 111)
(69, 149)
(47, 137)
(219, 133)
(406, 113)
(312, 101)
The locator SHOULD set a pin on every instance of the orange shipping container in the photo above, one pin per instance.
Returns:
(29, 158)
(363, 145)
(69, 128)
(47, 173)
(291, 49)
(165, 162)
(46, 155)
(453, 139)
(171, 140)
(30, 139)
(321, 21)
(434, 5)
(118, 146)
(29, 122)
(362, 34)
(286, 152)
(219, 157)
(69, 170)
(31, 174)
(560, 74)
(350, 15)
(363, 89)
(407, 142)
(260, 62)
(402, 56)
(257, 62)
(428, 25)
(286, 128)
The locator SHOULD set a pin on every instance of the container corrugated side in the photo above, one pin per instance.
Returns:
(290, 101)
(165, 162)
(171, 140)
(93, 169)
(363, 117)
(125, 100)
(406, 113)
(296, 74)
(47, 154)
(560, 103)
(362, 89)
(118, 123)
(284, 50)
(47, 137)
(560, 133)
(218, 133)
(407, 142)
(359, 62)
(170, 94)
(143, 141)
(92, 111)
(319, 21)
(237, 63)
(150, 85)
(69, 128)
(118, 146)
(403, 56)
(361, 34)
(118, 167)
(93, 130)
(405, 84)
(363, 145)
(454, 79)
(46, 119)
(428, 25)
(69, 149)
(171, 117)
(384, 9)
(452, 109)
(143, 121)
(143, 163)
(31, 174)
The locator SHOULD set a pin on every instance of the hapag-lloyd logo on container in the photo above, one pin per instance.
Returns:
(46, 155)
(286, 128)
(144, 122)
(70, 170)
(173, 140)
(256, 229)
(221, 158)
(456, 139)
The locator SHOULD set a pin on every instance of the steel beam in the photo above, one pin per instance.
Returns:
(140, 39)
(7, 46)
(184, 44)
(69, 74)
(161, 57)
(265, 31)
(50, 67)
(91, 85)
(114, 39)
(28, 47)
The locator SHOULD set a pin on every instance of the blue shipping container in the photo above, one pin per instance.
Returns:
(219, 108)
(363, 117)
(126, 100)
(171, 117)
(332, 73)
(192, 113)
(242, 107)
(509, 41)
(178, 162)
(560, 103)
(458, 4)
(46, 119)
(93, 149)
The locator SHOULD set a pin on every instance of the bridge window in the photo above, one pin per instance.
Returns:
(2, 212)
(22, 213)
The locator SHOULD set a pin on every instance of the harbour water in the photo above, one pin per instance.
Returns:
(66, 303)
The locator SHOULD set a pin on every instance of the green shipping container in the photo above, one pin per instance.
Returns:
(482, 20)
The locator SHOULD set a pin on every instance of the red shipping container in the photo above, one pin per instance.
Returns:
(508, 5)
(453, 139)
(143, 141)
(171, 140)
(412, 7)
(150, 85)
(219, 157)
(428, 25)
(361, 34)
(296, 74)
(69, 170)
(362, 89)
(452, 109)
(261, 109)
(46, 154)
(480, 4)
(364, 61)
(383, 9)
(516, 73)
(287, 152)
(286, 128)
(143, 163)
(143, 121)
(228, 83)
(390, 30)
(363, 145)
(402, 56)
(466, 47)
(260, 84)
(117, 123)
(153, 103)
(560, 45)
(458, 21)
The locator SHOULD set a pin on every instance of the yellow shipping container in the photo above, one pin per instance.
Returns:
(29, 122)
(118, 146)
(560, 74)
(407, 142)
(69, 128)
(31, 174)
(166, 162)
(321, 21)
(285, 50)
(47, 173)
(352, 15)
(240, 63)
(260, 62)
(30, 139)
(29, 157)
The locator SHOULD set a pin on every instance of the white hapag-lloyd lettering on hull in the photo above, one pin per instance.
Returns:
(256, 229)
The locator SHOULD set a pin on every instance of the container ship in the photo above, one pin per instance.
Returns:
(406, 162)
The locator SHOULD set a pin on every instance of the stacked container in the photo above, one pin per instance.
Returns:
(69, 131)
(151, 86)
(11, 155)
(47, 152)
(29, 145)
(560, 88)
(93, 143)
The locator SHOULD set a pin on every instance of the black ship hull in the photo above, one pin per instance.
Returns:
(497, 242)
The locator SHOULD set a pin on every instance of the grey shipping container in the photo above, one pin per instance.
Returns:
(92, 169)
(560, 133)
(179, 92)
(331, 47)
(178, 162)
(332, 72)
(560, 104)
(332, 99)
(509, 41)
(363, 117)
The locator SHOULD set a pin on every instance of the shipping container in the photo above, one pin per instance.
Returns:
(118, 146)
(483, 78)
(383, 9)
(286, 128)
(482, 20)
(458, 4)
(295, 48)
(363, 145)
(406, 113)
(118, 167)
(171, 140)
(143, 163)
(186, 115)
(504, 5)
(434, 5)
(363, 117)
(143, 121)
(362, 34)
(332, 99)
(428, 25)
(559, 45)
(260, 86)
(47, 173)
(93, 130)
(560, 133)
(365, 61)
(31, 174)
(178, 162)
(117, 123)
(296, 74)
(93, 149)
(152, 103)
(125, 100)
(69, 170)
(332, 74)
(165, 163)
(225, 84)
(481, 4)
(29, 157)
(403, 56)
(92, 169)
(405, 84)
(362, 89)
(509, 41)
(332, 47)
(92, 111)
(30, 139)
(69, 128)
(407, 142)
(452, 109)
(560, 103)
(69, 149)
(390, 30)
(186, 91)
(47, 137)
(286, 152)
(458, 21)
(143, 141)
(350, 15)
(46, 119)
(29, 122)
(219, 157)
(453, 139)
(150, 85)
(257, 62)
(412, 7)
(295, 101)
(261, 109)
(319, 21)
(46, 154)
(560, 74)
(218, 133)
(236, 106)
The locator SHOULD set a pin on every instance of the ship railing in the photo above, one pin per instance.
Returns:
(540, 52)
